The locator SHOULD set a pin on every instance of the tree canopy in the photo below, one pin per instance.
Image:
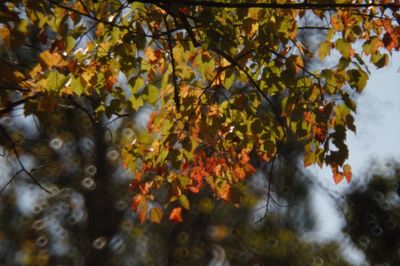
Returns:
(227, 83)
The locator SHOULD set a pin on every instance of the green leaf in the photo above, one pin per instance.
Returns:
(76, 86)
(137, 83)
(55, 81)
(344, 48)
(152, 94)
(357, 79)
(380, 60)
(184, 202)
(136, 101)
(343, 63)
(324, 50)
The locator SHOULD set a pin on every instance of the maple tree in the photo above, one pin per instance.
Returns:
(228, 83)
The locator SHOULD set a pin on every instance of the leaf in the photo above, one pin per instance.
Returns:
(136, 102)
(380, 60)
(153, 94)
(309, 158)
(55, 81)
(239, 172)
(184, 202)
(76, 86)
(142, 210)
(156, 215)
(176, 215)
(136, 201)
(344, 48)
(357, 79)
(152, 55)
(347, 172)
(49, 59)
(338, 177)
(324, 50)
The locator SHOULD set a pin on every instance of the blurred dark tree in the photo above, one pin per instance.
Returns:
(373, 216)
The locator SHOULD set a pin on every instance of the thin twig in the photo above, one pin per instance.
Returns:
(177, 97)
(22, 166)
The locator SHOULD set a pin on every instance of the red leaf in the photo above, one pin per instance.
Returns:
(110, 82)
(245, 156)
(239, 172)
(142, 212)
(338, 177)
(176, 215)
(135, 202)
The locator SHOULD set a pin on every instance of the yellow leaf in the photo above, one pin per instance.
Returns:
(184, 202)
(50, 59)
(156, 215)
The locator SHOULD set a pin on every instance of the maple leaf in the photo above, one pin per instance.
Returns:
(49, 59)
(176, 215)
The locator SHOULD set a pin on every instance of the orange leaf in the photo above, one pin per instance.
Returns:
(110, 82)
(338, 177)
(245, 156)
(239, 173)
(135, 202)
(197, 173)
(176, 215)
(224, 193)
(142, 211)
(347, 172)
(152, 55)
(145, 188)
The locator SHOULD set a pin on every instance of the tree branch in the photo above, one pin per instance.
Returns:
(110, 23)
(303, 5)
(177, 99)
(23, 169)
(10, 107)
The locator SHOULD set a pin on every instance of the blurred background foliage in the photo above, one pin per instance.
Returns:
(86, 220)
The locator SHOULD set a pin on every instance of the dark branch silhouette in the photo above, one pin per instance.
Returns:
(304, 5)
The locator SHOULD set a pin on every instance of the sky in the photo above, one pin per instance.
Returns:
(375, 143)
